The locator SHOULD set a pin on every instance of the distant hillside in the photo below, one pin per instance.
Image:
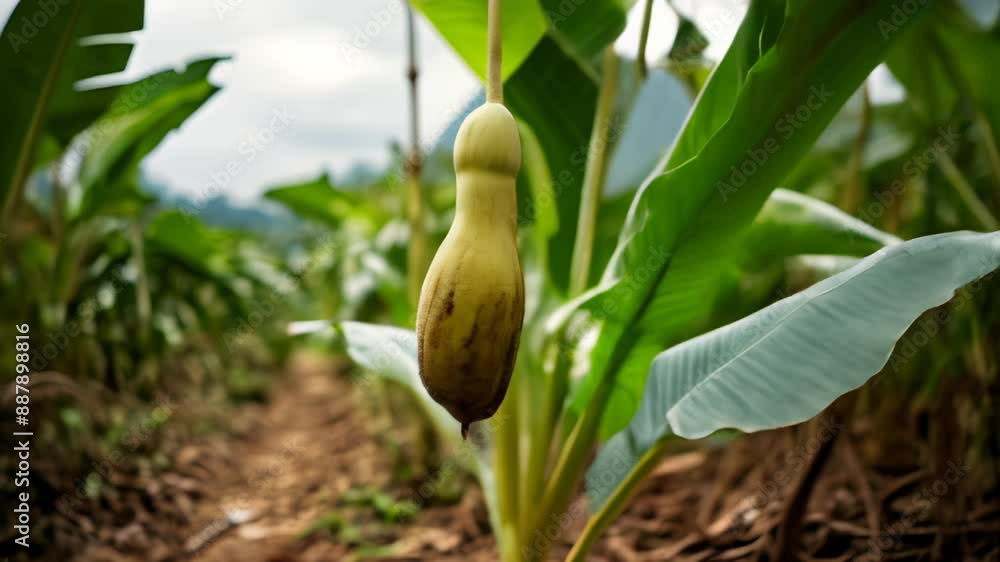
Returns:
(220, 211)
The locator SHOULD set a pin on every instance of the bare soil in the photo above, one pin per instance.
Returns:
(308, 477)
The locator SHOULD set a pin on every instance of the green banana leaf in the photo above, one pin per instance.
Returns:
(42, 59)
(802, 63)
(716, 100)
(139, 118)
(787, 362)
(462, 23)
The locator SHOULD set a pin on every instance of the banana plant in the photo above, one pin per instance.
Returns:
(52, 49)
(87, 236)
(641, 354)
(94, 184)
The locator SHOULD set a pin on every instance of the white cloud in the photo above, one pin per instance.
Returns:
(293, 57)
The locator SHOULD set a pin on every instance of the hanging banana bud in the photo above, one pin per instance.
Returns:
(472, 300)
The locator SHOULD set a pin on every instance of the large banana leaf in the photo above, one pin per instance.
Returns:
(683, 224)
(42, 59)
(137, 121)
(719, 96)
(76, 105)
(787, 362)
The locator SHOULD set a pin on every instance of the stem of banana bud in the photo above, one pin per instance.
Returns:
(494, 61)
(506, 422)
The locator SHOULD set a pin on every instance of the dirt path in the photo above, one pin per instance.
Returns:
(287, 470)
(310, 460)
(310, 448)
(307, 445)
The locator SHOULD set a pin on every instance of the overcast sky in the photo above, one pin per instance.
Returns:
(291, 58)
(344, 106)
